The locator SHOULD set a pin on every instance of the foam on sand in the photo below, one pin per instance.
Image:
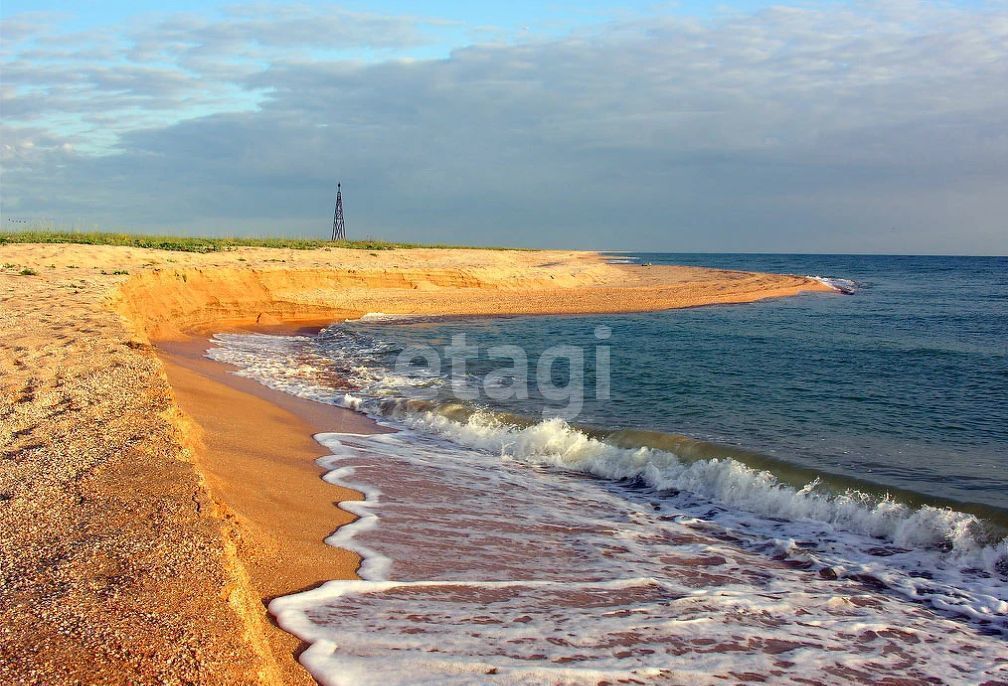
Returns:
(897, 545)
(535, 552)
(495, 569)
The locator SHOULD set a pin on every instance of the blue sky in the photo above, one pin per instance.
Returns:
(465, 22)
(557, 15)
(811, 127)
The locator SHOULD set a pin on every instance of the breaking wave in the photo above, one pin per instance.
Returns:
(955, 561)
(845, 286)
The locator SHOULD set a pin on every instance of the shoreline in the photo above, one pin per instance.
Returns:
(145, 473)
(258, 456)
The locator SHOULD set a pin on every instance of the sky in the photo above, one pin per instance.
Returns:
(852, 127)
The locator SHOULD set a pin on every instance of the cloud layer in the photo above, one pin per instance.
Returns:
(832, 128)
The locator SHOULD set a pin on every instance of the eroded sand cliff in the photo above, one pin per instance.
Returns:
(118, 564)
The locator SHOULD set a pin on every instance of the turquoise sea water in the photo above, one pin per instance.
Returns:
(903, 384)
(809, 488)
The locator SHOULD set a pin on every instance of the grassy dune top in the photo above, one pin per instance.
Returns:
(204, 244)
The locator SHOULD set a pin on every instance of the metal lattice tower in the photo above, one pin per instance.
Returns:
(338, 225)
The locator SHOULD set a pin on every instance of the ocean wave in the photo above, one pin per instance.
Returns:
(974, 579)
(539, 575)
(845, 286)
(280, 362)
(939, 555)
(723, 480)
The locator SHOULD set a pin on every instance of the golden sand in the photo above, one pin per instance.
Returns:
(150, 506)
(257, 456)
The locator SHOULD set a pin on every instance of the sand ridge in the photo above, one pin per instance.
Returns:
(209, 290)
(125, 553)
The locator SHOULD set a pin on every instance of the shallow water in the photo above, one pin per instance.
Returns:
(738, 516)
(482, 569)
(903, 384)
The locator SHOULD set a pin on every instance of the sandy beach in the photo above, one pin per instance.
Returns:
(151, 502)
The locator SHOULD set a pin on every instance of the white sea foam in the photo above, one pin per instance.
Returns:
(937, 536)
(846, 286)
(378, 317)
(490, 523)
(282, 363)
(522, 574)
(374, 565)
(632, 631)
(724, 481)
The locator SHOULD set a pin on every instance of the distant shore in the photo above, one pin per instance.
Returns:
(155, 501)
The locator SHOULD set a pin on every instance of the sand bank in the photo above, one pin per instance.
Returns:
(148, 506)
(256, 453)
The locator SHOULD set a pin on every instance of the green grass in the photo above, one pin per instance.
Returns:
(201, 245)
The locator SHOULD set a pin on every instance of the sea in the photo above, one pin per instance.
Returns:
(811, 489)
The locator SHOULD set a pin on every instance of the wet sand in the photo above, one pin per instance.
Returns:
(258, 457)
(151, 503)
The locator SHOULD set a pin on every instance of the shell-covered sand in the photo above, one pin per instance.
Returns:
(121, 558)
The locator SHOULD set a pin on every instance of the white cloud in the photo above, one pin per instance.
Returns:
(800, 129)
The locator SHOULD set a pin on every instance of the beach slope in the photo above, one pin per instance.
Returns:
(133, 546)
